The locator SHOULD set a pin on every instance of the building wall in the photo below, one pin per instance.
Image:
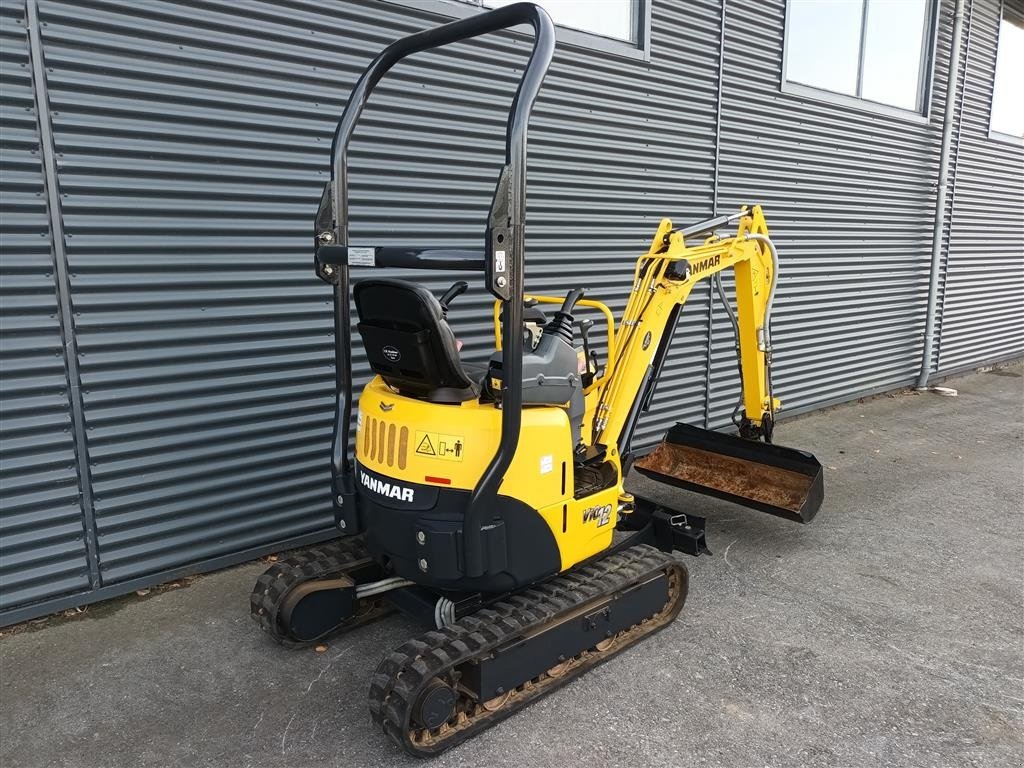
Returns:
(982, 313)
(42, 542)
(168, 391)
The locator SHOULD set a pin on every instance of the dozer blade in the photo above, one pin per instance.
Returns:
(774, 479)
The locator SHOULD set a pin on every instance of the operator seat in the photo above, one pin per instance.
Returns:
(409, 343)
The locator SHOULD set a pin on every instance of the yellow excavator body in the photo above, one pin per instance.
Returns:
(449, 446)
(488, 500)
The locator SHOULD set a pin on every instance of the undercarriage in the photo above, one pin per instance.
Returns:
(473, 670)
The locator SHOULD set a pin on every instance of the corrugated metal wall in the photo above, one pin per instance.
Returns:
(190, 149)
(188, 158)
(847, 193)
(983, 302)
(42, 539)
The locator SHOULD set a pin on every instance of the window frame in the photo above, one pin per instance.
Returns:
(639, 50)
(1006, 138)
(929, 45)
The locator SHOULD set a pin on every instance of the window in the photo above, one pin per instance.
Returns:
(1007, 102)
(618, 19)
(873, 50)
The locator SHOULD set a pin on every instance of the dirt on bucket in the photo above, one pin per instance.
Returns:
(762, 483)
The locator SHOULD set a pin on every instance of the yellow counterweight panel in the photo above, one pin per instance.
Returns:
(451, 445)
(428, 443)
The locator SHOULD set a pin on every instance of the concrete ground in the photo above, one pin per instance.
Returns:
(889, 632)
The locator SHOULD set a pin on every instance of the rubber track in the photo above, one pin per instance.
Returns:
(403, 673)
(318, 562)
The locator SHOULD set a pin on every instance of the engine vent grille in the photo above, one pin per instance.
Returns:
(385, 443)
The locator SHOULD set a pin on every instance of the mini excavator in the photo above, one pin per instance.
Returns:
(487, 500)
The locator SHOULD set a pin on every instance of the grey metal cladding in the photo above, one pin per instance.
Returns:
(188, 162)
(676, 104)
(846, 192)
(192, 143)
(191, 150)
(43, 551)
(983, 301)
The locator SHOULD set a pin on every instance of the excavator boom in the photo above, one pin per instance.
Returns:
(774, 479)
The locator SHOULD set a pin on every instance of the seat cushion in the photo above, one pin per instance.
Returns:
(409, 343)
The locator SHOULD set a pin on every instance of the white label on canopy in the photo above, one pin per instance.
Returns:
(499, 261)
(362, 257)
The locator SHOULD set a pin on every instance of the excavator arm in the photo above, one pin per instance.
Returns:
(748, 469)
(663, 280)
(772, 478)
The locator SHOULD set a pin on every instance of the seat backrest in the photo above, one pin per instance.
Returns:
(409, 343)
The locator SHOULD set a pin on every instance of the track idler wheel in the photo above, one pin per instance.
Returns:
(435, 705)
(313, 609)
(310, 594)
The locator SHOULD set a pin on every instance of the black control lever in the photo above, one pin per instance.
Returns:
(588, 355)
(457, 289)
(532, 313)
(571, 298)
(561, 324)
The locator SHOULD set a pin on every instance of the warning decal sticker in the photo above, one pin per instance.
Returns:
(438, 446)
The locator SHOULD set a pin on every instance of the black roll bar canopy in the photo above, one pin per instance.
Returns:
(501, 258)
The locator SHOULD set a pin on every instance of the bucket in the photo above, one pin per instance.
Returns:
(771, 478)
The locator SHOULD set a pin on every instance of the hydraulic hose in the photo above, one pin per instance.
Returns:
(767, 241)
(379, 587)
(717, 279)
(771, 288)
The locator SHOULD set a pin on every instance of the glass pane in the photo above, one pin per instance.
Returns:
(1007, 101)
(609, 18)
(893, 42)
(823, 43)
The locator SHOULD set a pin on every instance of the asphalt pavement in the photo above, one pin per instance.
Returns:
(888, 632)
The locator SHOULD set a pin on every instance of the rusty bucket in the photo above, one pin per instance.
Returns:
(772, 478)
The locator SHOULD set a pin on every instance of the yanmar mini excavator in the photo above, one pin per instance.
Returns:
(488, 500)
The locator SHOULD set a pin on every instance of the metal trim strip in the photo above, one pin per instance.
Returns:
(63, 283)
